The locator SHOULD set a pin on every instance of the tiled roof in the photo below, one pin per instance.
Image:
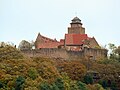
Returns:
(75, 39)
(48, 43)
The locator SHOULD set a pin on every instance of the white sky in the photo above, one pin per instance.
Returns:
(23, 19)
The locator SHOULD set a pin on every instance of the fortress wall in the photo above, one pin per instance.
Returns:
(75, 55)
(71, 55)
(45, 52)
(95, 53)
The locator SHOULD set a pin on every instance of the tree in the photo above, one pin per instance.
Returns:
(74, 69)
(117, 51)
(88, 79)
(32, 44)
(59, 83)
(45, 86)
(2, 44)
(95, 87)
(112, 47)
(46, 69)
(9, 52)
(1, 85)
(55, 87)
(24, 45)
(19, 83)
(32, 72)
(81, 85)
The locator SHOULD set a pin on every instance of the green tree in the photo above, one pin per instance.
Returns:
(88, 79)
(112, 47)
(54, 87)
(32, 72)
(59, 83)
(117, 51)
(103, 83)
(1, 84)
(81, 85)
(19, 83)
(45, 86)
(73, 85)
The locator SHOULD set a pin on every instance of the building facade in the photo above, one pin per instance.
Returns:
(75, 39)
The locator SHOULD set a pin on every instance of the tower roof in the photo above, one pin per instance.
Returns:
(76, 20)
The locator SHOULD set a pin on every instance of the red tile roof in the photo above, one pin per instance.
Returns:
(48, 43)
(75, 39)
(70, 39)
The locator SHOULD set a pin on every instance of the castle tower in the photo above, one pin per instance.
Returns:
(76, 27)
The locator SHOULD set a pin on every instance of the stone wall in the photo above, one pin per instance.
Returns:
(64, 54)
(45, 52)
(95, 54)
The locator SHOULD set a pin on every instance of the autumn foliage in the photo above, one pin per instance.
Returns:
(19, 72)
(74, 69)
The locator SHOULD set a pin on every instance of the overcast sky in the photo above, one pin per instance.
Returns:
(24, 19)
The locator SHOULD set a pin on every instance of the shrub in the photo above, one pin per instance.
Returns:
(45, 86)
(59, 83)
(81, 85)
(88, 79)
(19, 83)
(32, 73)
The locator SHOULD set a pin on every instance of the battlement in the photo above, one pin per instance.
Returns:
(91, 53)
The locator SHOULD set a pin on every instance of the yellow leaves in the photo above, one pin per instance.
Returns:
(32, 73)
(95, 87)
(10, 84)
(74, 69)
(1, 74)
(31, 83)
(9, 52)
(8, 77)
(46, 69)
(31, 88)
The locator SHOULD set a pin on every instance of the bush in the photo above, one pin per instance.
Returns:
(88, 79)
(19, 83)
(55, 87)
(81, 85)
(1, 85)
(32, 72)
(9, 52)
(59, 83)
(45, 86)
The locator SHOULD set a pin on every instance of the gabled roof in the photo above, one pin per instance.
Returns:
(75, 39)
(49, 45)
(45, 38)
(45, 42)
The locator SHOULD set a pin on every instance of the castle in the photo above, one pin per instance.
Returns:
(76, 44)
(75, 40)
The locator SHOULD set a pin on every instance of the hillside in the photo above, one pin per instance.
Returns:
(19, 72)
